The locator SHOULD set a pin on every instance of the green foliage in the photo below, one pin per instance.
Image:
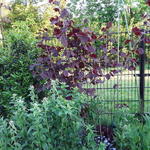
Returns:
(101, 11)
(131, 133)
(53, 124)
(19, 53)
(29, 14)
(134, 10)
(94, 112)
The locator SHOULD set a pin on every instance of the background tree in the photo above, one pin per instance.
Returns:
(100, 11)
(21, 12)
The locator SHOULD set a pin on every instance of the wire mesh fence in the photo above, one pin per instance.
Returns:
(126, 89)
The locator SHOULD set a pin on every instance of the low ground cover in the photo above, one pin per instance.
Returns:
(58, 123)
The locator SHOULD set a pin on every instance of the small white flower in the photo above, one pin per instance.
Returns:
(11, 123)
(105, 141)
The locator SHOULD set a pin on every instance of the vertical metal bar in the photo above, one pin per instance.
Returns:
(142, 75)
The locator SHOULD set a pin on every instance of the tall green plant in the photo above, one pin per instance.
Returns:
(131, 133)
(54, 124)
(19, 53)
(28, 13)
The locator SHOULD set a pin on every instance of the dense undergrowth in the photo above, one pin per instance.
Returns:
(53, 124)
(61, 124)
(16, 57)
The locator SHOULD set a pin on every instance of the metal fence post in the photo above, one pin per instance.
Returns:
(142, 75)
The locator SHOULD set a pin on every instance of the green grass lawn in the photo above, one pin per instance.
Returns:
(126, 91)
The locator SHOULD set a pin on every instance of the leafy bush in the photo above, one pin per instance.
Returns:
(54, 124)
(28, 14)
(18, 54)
(131, 133)
(75, 62)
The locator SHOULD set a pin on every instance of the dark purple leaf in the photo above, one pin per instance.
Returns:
(56, 3)
(120, 64)
(93, 56)
(92, 76)
(57, 9)
(76, 30)
(136, 31)
(99, 81)
(57, 32)
(69, 97)
(64, 13)
(67, 23)
(55, 53)
(116, 71)
(46, 38)
(39, 89)
(64, 30)
(83, 37)
(65, 73)
(127, 41)
(59, 24)
(106, 59)
(140, 51)
(131, 68)
(105, 49)
(63, 40)
(107, 76)
(113, 51)
(59, 62)
(90, 91)
(50, 1)
(109, 25)
(44, 75)
(83, 58)
(122, 54)
(54, 20)
(33, 66)
(46, 86)
(72, 54)
(89, 48)
(79, 85)
(147, 40)
(116, 86)
(81, 74)
(133, 60)
(81, 65)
